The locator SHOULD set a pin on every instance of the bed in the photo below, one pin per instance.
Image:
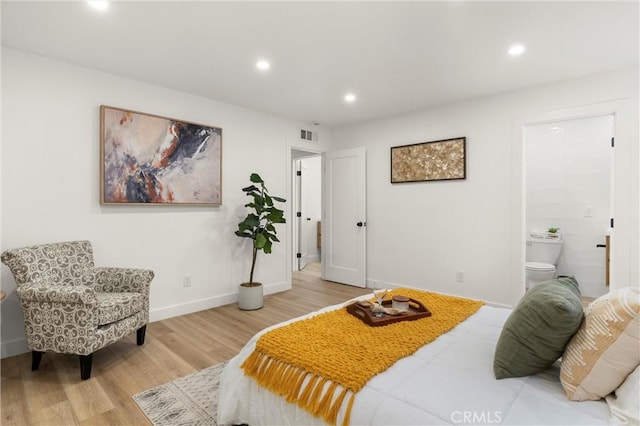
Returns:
(448, 381)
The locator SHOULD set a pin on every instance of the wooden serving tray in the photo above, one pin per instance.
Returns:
(416, 311)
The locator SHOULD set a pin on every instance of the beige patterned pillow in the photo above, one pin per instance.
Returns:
(606, 348)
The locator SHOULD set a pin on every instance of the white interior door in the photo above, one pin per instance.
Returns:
(344, 217)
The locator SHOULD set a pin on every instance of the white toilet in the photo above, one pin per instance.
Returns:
(542, 255)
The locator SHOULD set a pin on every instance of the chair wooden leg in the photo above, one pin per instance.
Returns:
(36, 357)
(85, 366)
(140, 335)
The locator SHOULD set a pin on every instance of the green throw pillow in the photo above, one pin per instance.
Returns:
(538, 329)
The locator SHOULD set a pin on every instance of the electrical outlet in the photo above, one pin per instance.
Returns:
(186, 281)
(460, 276)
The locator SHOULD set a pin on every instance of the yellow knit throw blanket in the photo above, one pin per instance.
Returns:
(318, 361)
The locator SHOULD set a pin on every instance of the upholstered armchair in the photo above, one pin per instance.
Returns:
(70, 306)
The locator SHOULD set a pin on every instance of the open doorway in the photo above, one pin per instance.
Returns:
(568, 180)
(623, 208)
(307, 202)
(340, 239)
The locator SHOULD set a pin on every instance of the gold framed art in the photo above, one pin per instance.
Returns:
(429, 161)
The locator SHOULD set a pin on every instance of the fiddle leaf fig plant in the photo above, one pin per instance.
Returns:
(258, 225)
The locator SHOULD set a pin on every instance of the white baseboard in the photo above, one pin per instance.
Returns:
(171, 311)
(382, 284)
(208, 303)
(19, 346)
(13, 348)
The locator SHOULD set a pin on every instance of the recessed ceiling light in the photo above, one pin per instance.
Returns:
(349, 97)
(263, 65)
(516, 50)
(99, 4)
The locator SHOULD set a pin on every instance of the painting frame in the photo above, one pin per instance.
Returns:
(148, 159)
(439, 160)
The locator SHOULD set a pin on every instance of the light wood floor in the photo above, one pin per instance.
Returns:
(55, 395)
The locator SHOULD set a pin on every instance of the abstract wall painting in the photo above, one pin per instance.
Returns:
(152, 160)
(428, 161)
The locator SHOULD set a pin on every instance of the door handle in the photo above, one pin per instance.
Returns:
(601, 245)
(360, 224)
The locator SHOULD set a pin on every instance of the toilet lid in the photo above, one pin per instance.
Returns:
(539, 266)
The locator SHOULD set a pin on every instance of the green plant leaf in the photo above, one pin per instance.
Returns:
(258, 199)
(260, 241)
(275, 216)
(255, 178)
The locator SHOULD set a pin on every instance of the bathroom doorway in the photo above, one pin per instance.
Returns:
(568, 185)
(307, 199)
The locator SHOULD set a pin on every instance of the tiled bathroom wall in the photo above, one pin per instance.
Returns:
(568, 186)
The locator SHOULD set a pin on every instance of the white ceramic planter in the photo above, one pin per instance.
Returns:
(250, 297)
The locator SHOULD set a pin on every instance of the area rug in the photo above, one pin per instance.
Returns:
(190, 400)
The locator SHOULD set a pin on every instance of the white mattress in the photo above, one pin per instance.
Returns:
(449, 381)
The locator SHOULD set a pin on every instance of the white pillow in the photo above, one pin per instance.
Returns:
(606, 348)
(624, 403)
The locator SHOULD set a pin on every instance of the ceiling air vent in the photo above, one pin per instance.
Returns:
(308, 135)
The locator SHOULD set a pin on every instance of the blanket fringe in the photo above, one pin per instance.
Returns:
(319, 396)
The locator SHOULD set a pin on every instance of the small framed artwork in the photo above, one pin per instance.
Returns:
(428, 161)
(152, 160)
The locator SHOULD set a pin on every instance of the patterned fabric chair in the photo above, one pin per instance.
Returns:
(72, 307)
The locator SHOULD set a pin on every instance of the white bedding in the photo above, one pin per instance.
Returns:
(449, 381)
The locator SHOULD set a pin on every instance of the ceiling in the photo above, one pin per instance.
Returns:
(396, 57)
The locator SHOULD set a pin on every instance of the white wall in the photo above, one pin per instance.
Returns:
(420, 234)
(50, 186)
(568, 186)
